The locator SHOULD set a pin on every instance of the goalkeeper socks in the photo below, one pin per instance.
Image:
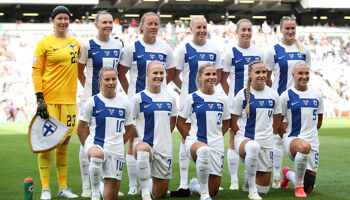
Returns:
(61, 160)
(44, 164)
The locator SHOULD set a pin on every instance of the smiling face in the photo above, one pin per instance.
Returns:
(199, 30)
(301, 75)
(104, 24)
(108, 83)
(207, 78)
(61, 23)
(288, 29)
(244, 33)
(258, 75)
(150, 26)
(155, 75)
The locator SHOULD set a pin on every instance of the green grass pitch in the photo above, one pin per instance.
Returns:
(18, 162)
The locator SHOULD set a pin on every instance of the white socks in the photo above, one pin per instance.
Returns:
(252, 149)
(131, 168)
(202, 166)
(300, 163)
(95, 170)
(184, 163)
(232, 163)
(84, 167)
(277, 157)
(143, 171)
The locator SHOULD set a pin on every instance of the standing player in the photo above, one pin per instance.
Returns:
(280, 60)
(136, 58)
(155, 113)
(189, 57)
(303, 108)
(209, 117)
(100, 128)
(236, 63)
(96, 53)
(255, 117)
(55, 74)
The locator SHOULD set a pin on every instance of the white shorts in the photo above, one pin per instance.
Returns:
(161, 166)
(312, 163)
(216, 160)
(264, 158)
(112, 166)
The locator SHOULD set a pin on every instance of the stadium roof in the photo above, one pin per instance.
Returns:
(174, 9)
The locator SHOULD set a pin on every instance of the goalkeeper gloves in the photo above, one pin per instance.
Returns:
(42, 108)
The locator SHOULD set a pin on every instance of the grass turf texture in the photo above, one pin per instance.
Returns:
(18, 162)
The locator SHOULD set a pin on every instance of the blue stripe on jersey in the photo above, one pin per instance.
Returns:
(148, 107)
(239, 61)
(141, 57)
(295, 104)
(254, 104)
(200, 107)
(100, 112)
(192, 57)
(281, 57)
(97, 54)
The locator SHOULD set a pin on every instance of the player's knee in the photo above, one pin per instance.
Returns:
(262, 189)
(309, 182)
(252, 147)
(304, 148)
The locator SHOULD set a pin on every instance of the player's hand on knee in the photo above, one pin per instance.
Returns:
(42, 108)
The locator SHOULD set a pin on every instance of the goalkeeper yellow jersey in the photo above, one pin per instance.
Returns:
(55, 69)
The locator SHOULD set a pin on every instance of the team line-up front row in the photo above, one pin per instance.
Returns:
(254, 115)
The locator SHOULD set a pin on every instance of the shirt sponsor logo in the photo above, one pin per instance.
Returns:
(279, 58)
(191, 57)
(98, 111)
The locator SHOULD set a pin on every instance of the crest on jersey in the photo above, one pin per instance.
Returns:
(211, 56)
(291, 55)
(107, 53)
(219, 106)
(115, 53)
(202, 56)
(121, 113)
(305, 102)
(257, 58)
(270, 102)
(160, 56)
(49, 128)
(261, 103)
(210, 105)
(247, 59)
(111, 111)
(299, 55)
(315, 102)
(71, 46)
(151, 56)
(169, 105)
(159, 105)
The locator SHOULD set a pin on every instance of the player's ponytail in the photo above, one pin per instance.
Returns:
(249, 81)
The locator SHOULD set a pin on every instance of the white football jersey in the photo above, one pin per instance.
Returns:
(206, 113)
(138, 55)
(107, 118)
(280, 59)
(97, 54)
(263, 105)
(189, 57)
(152, 113)
(301, 109)
(236, 62)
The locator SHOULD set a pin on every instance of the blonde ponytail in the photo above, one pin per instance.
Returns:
(247, 108)
(299, 46)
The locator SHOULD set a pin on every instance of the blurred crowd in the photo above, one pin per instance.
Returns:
(330, 60)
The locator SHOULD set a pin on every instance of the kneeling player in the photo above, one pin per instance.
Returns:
(100, 129)
(303, 108)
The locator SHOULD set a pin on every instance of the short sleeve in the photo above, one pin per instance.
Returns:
(218, 61)
(277, 106)
(320, 105)
(284, 100)
(170, 61)
(308, 57)
(174, 107)
(83, 53)
(237, 103)
(228, 60)
(135, 106)
(186, 107)
(126, 57)
(269, 58)
(180, 58)
(226, 113)
(128, 114)
(87, 110)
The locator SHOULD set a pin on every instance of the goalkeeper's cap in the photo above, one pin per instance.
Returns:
(58, 10)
